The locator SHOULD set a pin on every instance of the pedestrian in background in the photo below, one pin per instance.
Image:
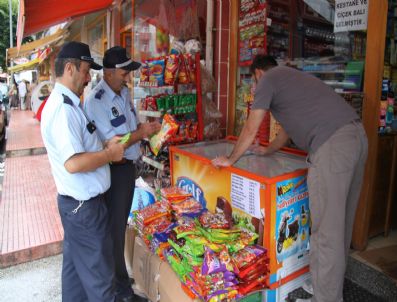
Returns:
(320, 122)
(13, 97)
(110, 106)
(22, 91)
(79, 164)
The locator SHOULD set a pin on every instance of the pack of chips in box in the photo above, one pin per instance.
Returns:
(174, 194)
(151, 213)
(188, 206)
(214, 221)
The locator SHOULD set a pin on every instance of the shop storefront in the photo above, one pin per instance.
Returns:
(339, 42)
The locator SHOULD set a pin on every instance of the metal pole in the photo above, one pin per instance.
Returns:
(11, 40)
(10, 15)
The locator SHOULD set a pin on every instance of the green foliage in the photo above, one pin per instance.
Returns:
(5, 28)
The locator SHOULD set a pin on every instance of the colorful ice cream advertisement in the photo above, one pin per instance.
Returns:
(292, 217)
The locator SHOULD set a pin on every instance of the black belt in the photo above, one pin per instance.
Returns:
(123, 161)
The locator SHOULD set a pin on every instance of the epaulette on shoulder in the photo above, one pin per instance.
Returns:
(99, 94)
(67, 100)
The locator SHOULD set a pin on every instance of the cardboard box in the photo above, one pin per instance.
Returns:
(146, 270)
(170, 286)
(157, 280)
(129, 249)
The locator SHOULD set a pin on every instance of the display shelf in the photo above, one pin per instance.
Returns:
(183, 101)
(150, 113)
(327, 72)
(280, 3)
(153, 163)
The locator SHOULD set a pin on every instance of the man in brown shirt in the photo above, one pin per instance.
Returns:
(320, 122)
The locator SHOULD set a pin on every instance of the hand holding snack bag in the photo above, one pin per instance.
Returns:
(168, 128)
(148, 129)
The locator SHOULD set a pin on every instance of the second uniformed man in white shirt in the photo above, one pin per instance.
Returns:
(109, 106)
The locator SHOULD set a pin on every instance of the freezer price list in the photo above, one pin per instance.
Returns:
(245, 195)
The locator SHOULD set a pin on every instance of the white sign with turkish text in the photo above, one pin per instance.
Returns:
(350, 15)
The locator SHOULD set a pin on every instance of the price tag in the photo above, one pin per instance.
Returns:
(245, 195)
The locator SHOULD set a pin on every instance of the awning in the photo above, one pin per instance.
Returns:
(41, 55)
(25, 66)
(28, 48)
(37, 15)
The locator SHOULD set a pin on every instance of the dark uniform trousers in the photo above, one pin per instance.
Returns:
(88, 266)
(119, 201)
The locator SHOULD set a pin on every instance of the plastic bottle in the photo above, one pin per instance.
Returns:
(390, 109)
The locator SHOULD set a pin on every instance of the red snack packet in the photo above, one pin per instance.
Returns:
(145, 73)
(184, 71)
(174, 194)
(171, 69)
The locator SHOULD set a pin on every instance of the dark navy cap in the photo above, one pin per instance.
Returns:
(116, 57)
(78, 50)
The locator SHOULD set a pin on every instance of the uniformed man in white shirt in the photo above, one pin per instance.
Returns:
(79, 163)
(110, 106)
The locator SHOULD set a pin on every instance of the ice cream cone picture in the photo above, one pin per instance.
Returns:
(303, 236)
(303, 216)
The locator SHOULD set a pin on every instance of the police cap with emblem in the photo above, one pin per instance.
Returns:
(78, 50)
(116, 57)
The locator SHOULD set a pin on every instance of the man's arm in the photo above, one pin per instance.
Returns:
(89, 161)
(279, 142)
(245, 139)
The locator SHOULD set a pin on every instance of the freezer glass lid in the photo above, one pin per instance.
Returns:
(268, 166)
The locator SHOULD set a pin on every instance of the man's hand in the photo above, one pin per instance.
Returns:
(221, 161)
(114, 140)
(260, 150)
(115, 151)
(148, 129)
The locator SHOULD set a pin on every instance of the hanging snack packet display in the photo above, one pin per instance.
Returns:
(157, 72)
(168, 128)
(171, 69)
(145, 74)
(184, 71)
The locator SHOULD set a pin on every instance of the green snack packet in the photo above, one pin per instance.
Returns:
(125, 138)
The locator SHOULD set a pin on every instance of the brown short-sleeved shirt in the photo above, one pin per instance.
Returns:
(309, 110)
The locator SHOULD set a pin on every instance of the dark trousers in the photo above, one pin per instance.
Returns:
(88, 267)
(119, 200)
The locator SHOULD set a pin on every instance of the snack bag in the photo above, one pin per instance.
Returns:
(174, 194)
(157, 72)
(184, 73)
(211, 263)
(145, 73)
(168, 128)
(171, 69)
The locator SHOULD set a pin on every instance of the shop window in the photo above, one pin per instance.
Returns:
(126, 41)
(126, 13)
(95, 38)
(157, 24)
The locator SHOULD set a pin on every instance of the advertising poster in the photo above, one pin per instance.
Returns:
(219, 190)
(292, 217)
(252, 30)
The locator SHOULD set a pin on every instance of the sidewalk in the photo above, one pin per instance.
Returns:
(30, 226)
